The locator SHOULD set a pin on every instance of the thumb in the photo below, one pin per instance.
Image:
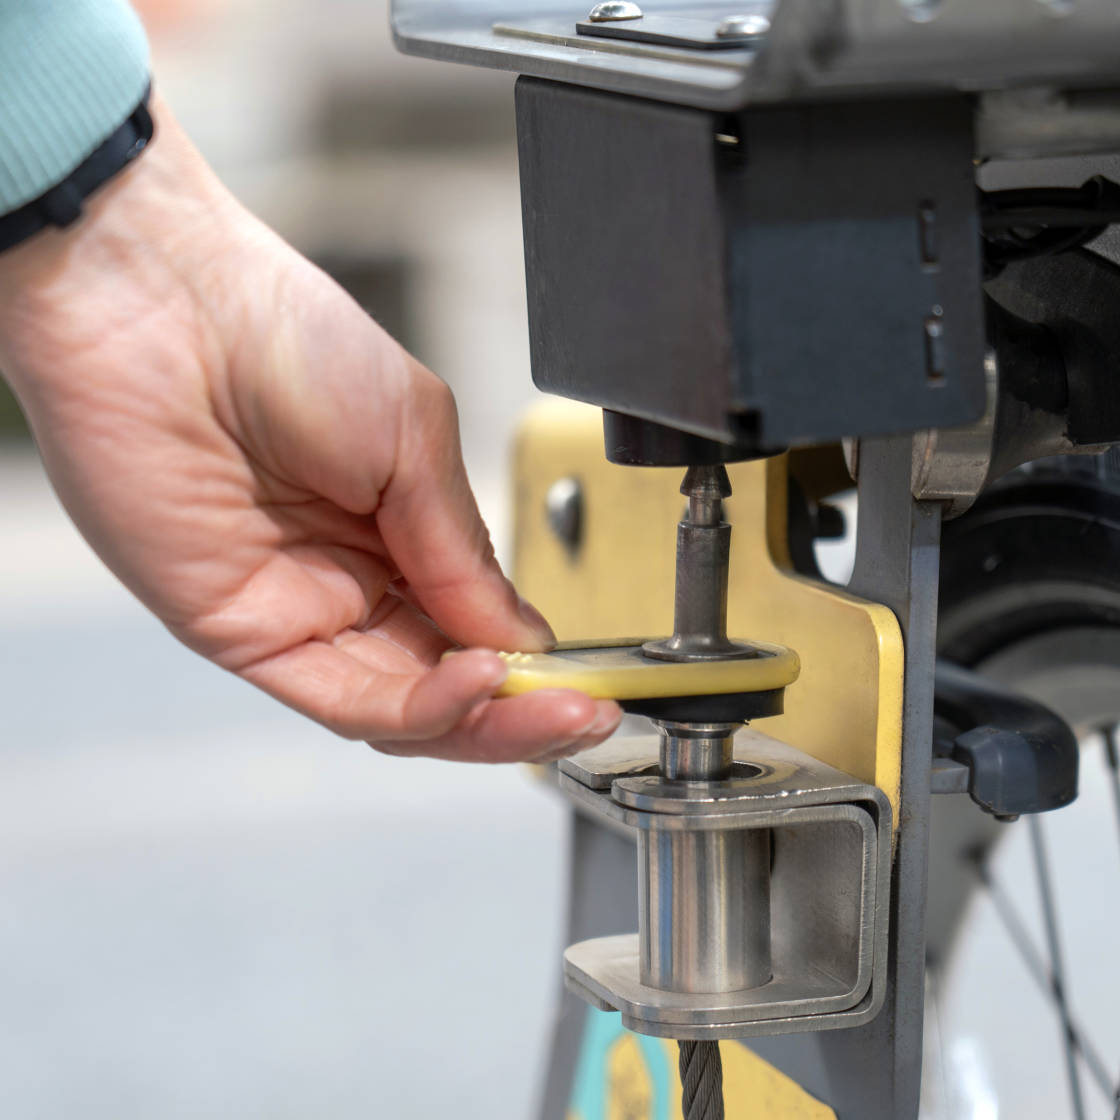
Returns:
(435, 535)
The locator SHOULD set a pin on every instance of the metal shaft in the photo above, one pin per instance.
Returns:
(703, 555)
(703, 896)
(696, 752)
(704, 909)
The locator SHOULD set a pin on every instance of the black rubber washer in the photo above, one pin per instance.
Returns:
(724, 707)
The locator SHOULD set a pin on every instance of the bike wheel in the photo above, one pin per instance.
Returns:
(1031, 597)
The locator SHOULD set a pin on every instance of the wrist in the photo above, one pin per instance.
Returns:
(150, 230)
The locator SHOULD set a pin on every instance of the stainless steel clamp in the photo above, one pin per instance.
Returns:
(761, 893)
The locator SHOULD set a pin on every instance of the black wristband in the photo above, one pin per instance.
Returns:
(62, 204)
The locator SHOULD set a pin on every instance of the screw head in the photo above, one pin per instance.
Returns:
(610, 10)
(743, 27)
(564, 509)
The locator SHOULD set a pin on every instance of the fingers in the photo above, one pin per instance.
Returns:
(533, 727)
(380, 692)
(445, 695)
(432, 528)
(443, 712)
(301, 593)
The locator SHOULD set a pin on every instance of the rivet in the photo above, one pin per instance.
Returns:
(564, 509)
(610, 10)
(743, 27)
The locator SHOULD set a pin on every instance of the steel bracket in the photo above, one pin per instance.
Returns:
(830, 879)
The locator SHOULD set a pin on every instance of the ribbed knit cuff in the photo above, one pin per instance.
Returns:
(71, 72)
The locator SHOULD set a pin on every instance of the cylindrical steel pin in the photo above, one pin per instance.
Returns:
(703, 557)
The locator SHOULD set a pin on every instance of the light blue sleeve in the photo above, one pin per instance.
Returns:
(71, 72)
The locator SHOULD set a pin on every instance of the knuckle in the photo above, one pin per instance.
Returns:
(437, 399)
(447, 411)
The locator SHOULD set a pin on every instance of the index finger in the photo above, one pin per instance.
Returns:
(432, 528)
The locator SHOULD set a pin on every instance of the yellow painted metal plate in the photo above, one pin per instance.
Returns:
(756, 1090)
(620, 671)
(626, 1076)
(846, 708)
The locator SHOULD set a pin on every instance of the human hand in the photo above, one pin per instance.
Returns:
(268, 471)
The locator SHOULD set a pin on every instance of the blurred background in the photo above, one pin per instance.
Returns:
(214, 909)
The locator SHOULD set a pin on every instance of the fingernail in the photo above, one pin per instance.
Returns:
(604, 723)
(536, 622)
(497, 674)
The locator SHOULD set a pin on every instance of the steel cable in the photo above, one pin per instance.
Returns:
(701, 1081)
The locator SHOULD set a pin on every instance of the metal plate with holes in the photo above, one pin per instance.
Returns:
(845, 48)
(627, 767)
(830, 866)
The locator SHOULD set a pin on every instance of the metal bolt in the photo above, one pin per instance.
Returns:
(743, 27)
(851, 456)
(564, 507)
(610, 10)
(700, 601)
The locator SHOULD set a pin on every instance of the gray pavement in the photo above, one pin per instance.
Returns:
(212, 908)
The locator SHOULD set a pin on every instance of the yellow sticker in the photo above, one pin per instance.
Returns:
(630, 1086)
(625, 1076)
